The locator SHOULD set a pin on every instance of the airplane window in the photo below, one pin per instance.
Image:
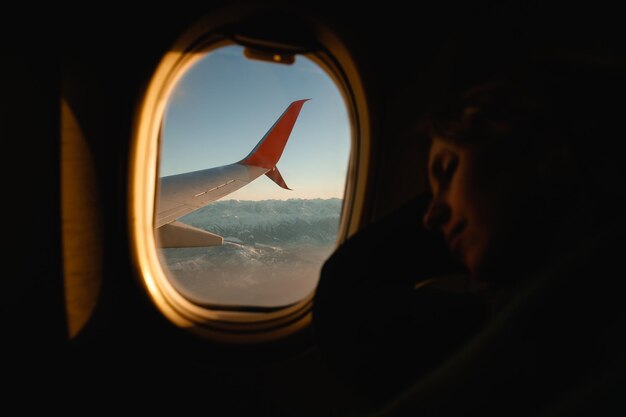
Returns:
(252, 170)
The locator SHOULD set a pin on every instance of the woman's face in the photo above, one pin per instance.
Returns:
(481, 195)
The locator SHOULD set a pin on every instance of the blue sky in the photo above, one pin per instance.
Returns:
(225, 103)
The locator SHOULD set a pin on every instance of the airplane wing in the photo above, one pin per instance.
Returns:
(182, 194)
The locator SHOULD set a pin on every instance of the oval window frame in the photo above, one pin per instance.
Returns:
(233, 326)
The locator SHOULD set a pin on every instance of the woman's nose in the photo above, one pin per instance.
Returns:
(437, 214)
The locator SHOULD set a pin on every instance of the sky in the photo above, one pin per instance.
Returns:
(225, 103)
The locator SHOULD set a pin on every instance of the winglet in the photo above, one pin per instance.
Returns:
(275, 176)
(270, 148)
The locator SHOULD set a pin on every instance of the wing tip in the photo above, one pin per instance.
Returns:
(301, 101)
(270, 148)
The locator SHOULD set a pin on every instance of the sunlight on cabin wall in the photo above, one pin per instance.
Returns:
(81, 229)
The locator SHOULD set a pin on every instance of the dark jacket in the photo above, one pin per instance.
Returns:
(552, 345)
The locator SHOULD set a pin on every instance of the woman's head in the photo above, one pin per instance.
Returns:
(514, 161)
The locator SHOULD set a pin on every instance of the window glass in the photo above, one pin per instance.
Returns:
(257, 243)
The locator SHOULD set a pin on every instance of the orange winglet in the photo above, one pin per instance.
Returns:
(270, 148)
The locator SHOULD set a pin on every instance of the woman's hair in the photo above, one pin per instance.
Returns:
(571, 98)
(572, 106)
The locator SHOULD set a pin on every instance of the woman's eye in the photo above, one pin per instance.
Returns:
(448, 168)
(443, 170)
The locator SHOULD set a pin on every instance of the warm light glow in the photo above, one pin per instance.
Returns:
(144, 160)
(81, 224)
(231, 326)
